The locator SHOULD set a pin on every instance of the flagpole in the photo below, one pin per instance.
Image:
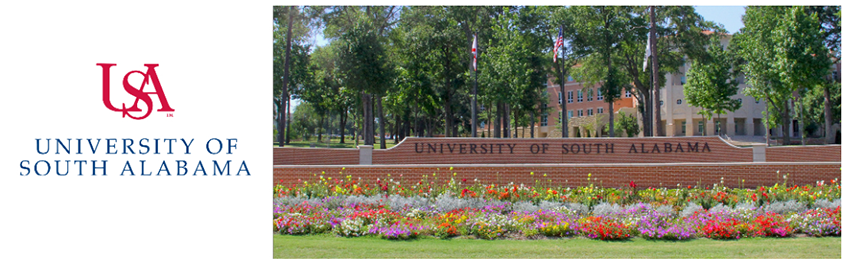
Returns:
(475, 89)
(564, 122)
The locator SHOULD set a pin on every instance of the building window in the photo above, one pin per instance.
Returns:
(570, 97)
(544, 120)
(559, 117)
(684, 126)
(660, 102)
(834, 75)
(580, 96)
(683, 79)
(701, 127)
(590, 95)
(679, 101)
(599, 94)
(580, 113)
(545, 106)
(560, 98)
(569, 78)
(600, 110)
(717, 128)
(589, 111)
(570, 114)
(628, 93)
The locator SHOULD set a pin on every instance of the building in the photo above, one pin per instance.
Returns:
(681, 119)
(582, 103)
(677, 116)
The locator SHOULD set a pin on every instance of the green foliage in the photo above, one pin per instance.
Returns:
(711, 82)
(784, 50)
(628, 124)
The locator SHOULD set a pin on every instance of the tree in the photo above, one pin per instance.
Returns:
(291, 27)
(624, 123)
(364, 61)
(784, 51)
(802, 58)
(711, 82)
(829, 18)
(598, 52)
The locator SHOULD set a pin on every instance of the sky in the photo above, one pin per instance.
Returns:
(728, 16)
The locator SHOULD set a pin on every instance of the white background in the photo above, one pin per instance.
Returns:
(216, 73)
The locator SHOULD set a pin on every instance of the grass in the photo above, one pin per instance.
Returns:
(334, 143)
(329, 246)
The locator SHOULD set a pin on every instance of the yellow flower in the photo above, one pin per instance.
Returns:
(544, 175)
(451, 168)
(532, 173)
(455, 174)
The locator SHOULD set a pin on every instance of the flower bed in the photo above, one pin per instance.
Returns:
(386, 209)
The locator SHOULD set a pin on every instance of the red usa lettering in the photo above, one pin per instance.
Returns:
(149, 77)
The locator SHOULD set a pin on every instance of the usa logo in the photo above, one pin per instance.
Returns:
(149, 77)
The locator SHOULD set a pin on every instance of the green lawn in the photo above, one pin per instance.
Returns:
(334, 143)
(329, 246)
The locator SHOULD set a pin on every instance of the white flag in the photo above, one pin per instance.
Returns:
(646, 55)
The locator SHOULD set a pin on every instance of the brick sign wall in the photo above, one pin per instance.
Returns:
(828, 153)
(573, 150)
(611, 161)
(315, 156)
(608, 175)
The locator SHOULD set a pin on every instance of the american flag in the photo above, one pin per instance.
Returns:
(558, 44)
(475, 52)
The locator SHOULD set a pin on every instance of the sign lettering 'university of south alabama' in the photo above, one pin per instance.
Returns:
(566, 148)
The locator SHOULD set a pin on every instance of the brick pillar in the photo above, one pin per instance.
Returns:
(759, 152)
(365, 154)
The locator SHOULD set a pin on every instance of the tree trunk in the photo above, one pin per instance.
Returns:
(802, 123)
(516, 123)
(288, 111)
(381, 122)
(282, 122)
(827, 117)
(786, 124)
(532, 125)
(365, 122)
(321, 125)
(507, 122)
(498, 129)
(342, 117)
(355, 130)
(655, 85)
(647, 113)
(766, 122)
